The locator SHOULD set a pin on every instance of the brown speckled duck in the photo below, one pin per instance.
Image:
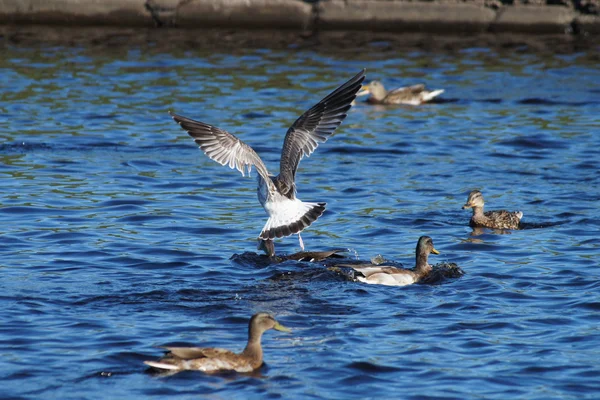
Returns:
(500, 219)
(411, 95)
(393, 276)
(208, 359)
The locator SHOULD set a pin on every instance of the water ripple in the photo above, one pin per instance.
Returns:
(119, 235)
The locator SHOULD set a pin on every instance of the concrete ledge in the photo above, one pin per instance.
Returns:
(164, 12)
(588, 24)
(403, 16)
(432, 16)
(282, 14)
(539, 19)
(227, 39)
(76, 12)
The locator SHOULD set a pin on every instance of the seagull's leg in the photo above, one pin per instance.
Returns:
(301, 242)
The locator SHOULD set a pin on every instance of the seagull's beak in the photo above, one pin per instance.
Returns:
(434, 251)
(281, 328)
(363, 91)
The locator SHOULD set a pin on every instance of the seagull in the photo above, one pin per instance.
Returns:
(277, 194)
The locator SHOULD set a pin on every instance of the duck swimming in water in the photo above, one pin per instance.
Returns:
(393, 276)
(500, 219)
(277, 194)
(411, 95)
(208, 359)
(269, 248)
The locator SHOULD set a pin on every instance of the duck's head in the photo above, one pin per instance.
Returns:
(475, 200)
(375, 88)
(267, 246)
(262, 322)
(425, 246)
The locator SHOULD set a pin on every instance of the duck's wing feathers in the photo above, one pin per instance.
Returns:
(414, 89)
(315, 255)
(394, 270)
(232, 362)
(201, 359)
(189, 353)
(502, 219)
(315, 126)
(414, 94)
(405, 94)
(222, 147)
(369, 269)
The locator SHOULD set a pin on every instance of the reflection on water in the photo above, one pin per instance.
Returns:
(118, 234)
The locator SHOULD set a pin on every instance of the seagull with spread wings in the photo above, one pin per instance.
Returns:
(277, 194)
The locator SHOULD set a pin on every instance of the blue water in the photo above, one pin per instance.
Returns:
(117, 233)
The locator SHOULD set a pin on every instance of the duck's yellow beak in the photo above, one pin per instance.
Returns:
(467, 206)
(434, 251)
(363, 91)
(279, 327)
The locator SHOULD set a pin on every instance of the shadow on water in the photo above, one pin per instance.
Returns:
(541, 225)
(381, 44)
(547, 102)
(368, 368)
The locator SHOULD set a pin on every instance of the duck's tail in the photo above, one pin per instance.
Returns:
(161, 365)
(427, 96)
(289, 217)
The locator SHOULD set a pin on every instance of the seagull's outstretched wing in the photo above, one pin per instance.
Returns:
(314, 127)
(223, 147)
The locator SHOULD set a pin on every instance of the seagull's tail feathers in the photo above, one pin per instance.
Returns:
(290, 217)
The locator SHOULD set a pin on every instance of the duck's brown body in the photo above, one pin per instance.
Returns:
(208, 359)
(410, 95)
(500, 219)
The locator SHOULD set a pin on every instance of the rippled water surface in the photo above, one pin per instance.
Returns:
(117, 234)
